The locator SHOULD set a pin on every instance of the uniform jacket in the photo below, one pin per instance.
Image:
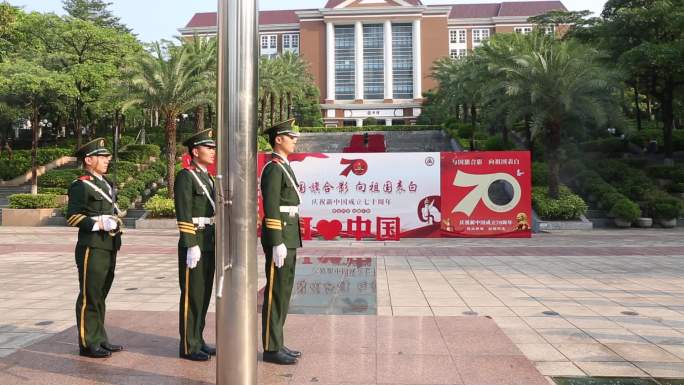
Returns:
(191, 202)
(84, 203)
(277, 189)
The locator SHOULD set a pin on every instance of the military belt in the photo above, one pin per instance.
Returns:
(292, 210)
(201, 222)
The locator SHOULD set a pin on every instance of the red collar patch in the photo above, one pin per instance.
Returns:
(86, 177)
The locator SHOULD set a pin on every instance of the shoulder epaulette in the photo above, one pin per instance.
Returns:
(277, 160)
(85, 177)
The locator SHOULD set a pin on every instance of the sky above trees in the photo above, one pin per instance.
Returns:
(159, 19)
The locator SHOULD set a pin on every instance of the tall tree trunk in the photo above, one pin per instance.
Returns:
(553, 145)
(649, 108)
(263, 113)
(289, 105)
(528, 134)
(504, 134)
(280, 108)
(473, 115)
(465, 113)
(77, 123)
(199, 118)
(668, 120)
(35, 119)
(637, 109)
(170, 151)
(272, 109)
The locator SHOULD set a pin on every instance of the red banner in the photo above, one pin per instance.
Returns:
(486, 194)
(388, 196)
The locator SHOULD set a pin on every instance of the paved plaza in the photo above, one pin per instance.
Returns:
(597, 303)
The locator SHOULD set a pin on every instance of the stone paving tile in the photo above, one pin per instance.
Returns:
(643, 353)
(587, 353)
(541, 352)
(661, 369)
(611, 369)
(562, 368)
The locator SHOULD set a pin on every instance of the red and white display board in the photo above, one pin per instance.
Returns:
(388, 196)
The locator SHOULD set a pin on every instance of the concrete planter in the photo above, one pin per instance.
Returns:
(622, 223)
(27, 217)
(156, 223)
(666, 223)
(644, 222)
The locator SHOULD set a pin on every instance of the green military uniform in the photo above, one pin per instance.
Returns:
(195, 215)
(95, 250)
(279, 189)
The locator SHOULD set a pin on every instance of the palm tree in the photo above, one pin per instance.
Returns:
(202, 55)
(557, 84)
(166, 82)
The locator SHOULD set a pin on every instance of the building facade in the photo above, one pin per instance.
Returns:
(372, 58)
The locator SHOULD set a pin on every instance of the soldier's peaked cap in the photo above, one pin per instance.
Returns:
(202, 138)
(92, 148)
(282, 128)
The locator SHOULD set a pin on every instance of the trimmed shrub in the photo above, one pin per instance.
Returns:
(28, 201)
(163, 192)
(53, 190)
(59, 178)
(608, 200)
(160, 207)
(370, 121)
(140, 153)
(626, 210)
(540, 174)
(496, 143)
(123, 202)
(567, 206)
(10, 169)
(604, 146)
(676, 188)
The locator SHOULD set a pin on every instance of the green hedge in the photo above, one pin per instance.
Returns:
(10, 169)
(540, 174)
(53, 190)
(496, 143)
(160, 207)
(28, 201)
(139, 153)
(59, 178)
(568, 206)
(43, 156)
(604, 146)
(370, 128)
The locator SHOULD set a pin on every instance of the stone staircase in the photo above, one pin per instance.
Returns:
(396, 141)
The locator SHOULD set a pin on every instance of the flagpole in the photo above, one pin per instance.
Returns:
(236, 241)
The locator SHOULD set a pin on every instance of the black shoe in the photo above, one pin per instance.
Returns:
(292, 353)
(280, 358)
(197, 356)
(210, 350)
(111, 347)
(94, 352)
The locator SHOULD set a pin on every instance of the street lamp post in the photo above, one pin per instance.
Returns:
(236, 258)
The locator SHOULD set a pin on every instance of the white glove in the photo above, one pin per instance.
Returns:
(193, 256)
(110, 224)
(279, 254)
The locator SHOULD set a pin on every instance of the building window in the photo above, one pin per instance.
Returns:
(458, 53)
(523, 30)
(344, 62)
(549, 30)
(480, 35)
(457, 36)
(291, 43)
(373, 61)
(269, 45)
(402, 61)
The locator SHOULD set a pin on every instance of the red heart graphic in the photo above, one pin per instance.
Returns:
(329, 230)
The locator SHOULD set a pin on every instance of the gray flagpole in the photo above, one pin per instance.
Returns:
(236, 241)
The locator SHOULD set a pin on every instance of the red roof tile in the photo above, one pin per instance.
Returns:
(529, 8)
(208, 19)
(472, 11)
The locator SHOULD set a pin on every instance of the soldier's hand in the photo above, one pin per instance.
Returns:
(193, 256)
(279, 255)
(110, 224)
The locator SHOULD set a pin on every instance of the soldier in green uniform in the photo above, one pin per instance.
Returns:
(92, 208)
(280, 238)
(194, 202)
